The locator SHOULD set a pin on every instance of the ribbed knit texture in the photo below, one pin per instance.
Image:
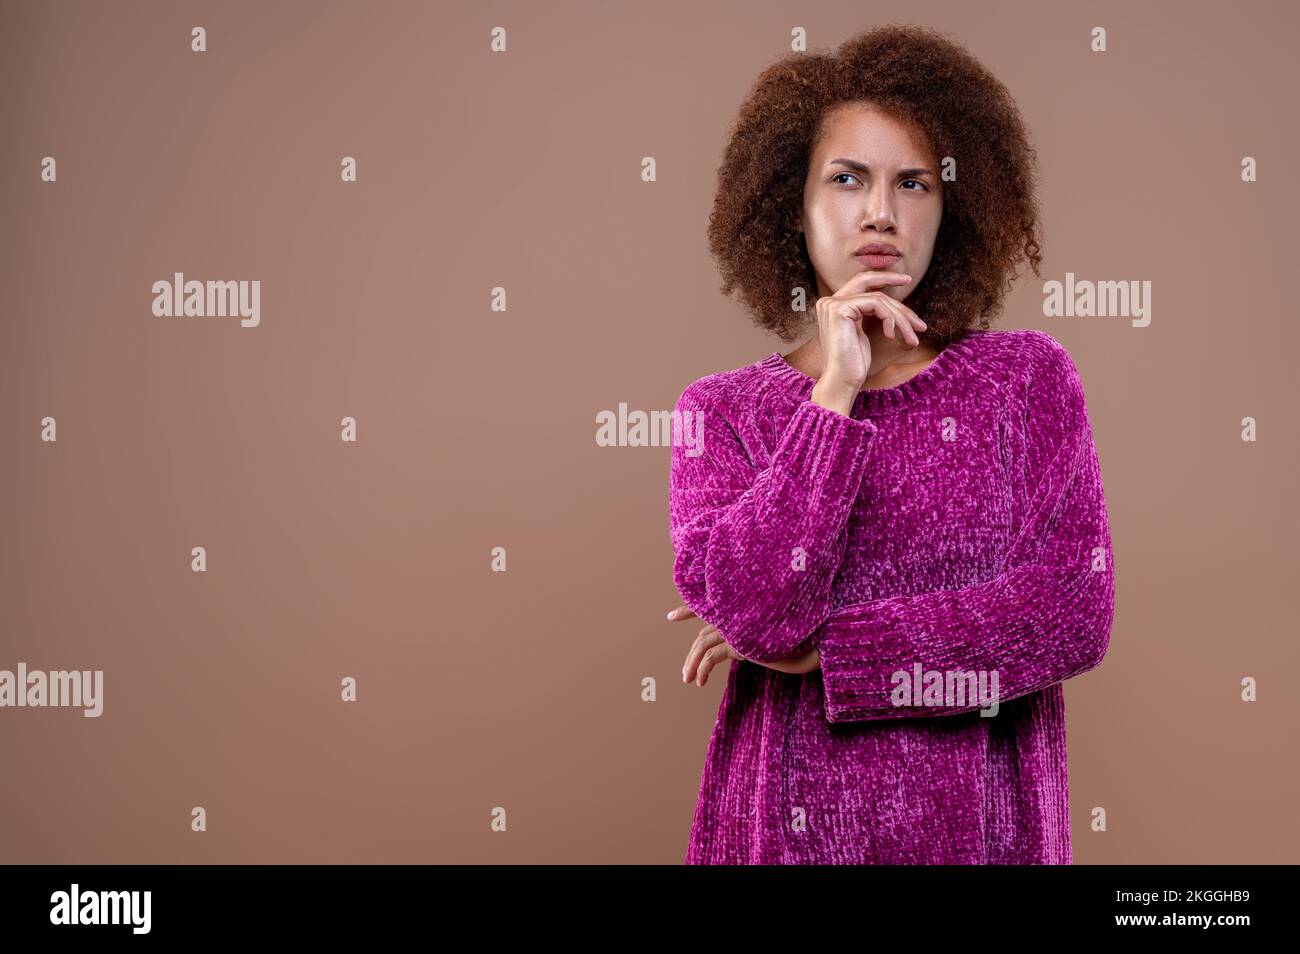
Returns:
(956, 521)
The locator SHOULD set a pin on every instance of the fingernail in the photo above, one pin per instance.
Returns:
(671, 613)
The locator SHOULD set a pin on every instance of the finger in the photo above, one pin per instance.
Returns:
(891, 312)
(871, 279)
(910, 318)
(710, 659)
(901, 321)
(698, 648)
(703, 642)
(875, 305)
(848, 293)
(681, 612)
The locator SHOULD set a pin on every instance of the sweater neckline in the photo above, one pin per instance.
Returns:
(954, 356)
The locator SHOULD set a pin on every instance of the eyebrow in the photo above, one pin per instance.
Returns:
(862, 167)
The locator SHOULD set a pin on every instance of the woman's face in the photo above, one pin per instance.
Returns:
(870, 180)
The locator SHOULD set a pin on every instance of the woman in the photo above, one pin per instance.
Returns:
(897, 532)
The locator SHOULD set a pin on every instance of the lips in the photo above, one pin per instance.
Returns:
(877, 261)
(877, 255)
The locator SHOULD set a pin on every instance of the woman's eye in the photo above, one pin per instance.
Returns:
(839, 175)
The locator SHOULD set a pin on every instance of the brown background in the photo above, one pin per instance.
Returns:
(522, 169)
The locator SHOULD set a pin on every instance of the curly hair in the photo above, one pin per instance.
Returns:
(919, 76)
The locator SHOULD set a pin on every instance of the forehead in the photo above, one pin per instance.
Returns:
(864, 132)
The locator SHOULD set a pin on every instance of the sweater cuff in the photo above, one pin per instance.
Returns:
(854, 660)
(825, 448)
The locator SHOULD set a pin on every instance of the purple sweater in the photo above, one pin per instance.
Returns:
(949, 534)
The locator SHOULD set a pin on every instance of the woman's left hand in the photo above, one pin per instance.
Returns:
(710, 648)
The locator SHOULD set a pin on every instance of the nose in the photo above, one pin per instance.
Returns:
(879, 211)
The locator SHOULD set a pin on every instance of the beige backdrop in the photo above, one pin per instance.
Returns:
(476, 428)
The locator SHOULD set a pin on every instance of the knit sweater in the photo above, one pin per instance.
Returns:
(948, 530)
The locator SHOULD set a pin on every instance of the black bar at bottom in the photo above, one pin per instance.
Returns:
(873, 903)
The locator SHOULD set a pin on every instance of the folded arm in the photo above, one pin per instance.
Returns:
(1044, 619)
(757, 550)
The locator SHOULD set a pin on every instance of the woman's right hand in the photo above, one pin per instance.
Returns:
(841, 317)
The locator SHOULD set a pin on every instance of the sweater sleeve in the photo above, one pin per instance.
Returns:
(757, 548)
(1044, 619)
